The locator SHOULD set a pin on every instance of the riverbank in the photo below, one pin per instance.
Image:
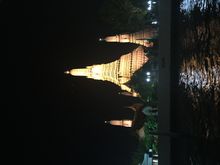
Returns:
(165, 51)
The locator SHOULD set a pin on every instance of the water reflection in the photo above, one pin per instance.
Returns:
(201, 76)
(188, 5)
(200, 68)
(198, 50)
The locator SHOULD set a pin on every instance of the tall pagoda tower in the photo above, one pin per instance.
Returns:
(118, 72)
(141, 37)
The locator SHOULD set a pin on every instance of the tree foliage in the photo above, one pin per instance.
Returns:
(123, 15)
(151, 141)
(147, 90)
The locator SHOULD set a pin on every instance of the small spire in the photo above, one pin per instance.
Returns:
(107, 122)
(67, 72)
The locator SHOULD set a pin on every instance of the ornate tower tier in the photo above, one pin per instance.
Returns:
(118, 72)
(141, 37)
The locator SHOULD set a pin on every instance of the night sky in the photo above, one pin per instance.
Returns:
(55, 118)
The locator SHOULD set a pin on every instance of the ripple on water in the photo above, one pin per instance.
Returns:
(200, 68)
(188, 5)
(198, 51)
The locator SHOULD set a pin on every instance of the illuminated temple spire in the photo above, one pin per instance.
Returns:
(122, 123)
(141, 37)
(118, 72)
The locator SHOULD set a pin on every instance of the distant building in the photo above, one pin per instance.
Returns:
(118, 72)
(141, 112)
(138, 119)
(141, 38)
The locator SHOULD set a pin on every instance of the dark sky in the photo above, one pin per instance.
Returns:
(55, 118)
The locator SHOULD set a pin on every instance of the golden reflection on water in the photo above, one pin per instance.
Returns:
(198, 52)
(200, 68)
(203, 75)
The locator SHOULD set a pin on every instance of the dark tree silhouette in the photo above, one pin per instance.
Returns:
(123, 15)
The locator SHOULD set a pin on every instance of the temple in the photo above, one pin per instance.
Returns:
(118, 72)
(122, 123)
(141, 38)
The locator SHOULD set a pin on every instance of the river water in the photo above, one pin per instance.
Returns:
(197, 93)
